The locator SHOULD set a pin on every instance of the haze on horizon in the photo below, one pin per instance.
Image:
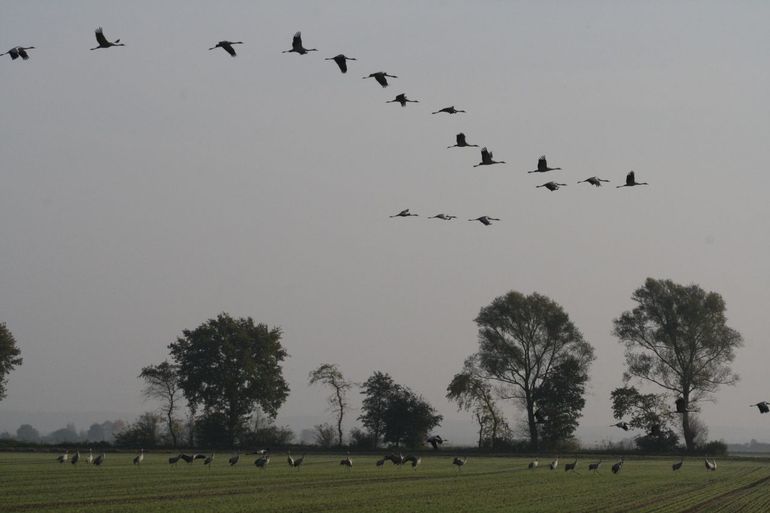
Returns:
(147, 188)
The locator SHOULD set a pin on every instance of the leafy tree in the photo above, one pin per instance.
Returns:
(647, 412)
(230, 367)
(677, 338)
(376, 391)
(95, 433)
(64, 435)
(474, 394)
(522, 339)
(10, 356)
(265, 433)
(329, 375)
(27, 433)
(560, 400)
(408, 418)
(324, 435)
(162, 383)
(143, 433)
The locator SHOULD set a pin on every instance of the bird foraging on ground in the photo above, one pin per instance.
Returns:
(570, 466)
(99, 459)
(227, 46)
(676, 466)
(263, 461)
(347, 462)
(62, 458)
(296, 45)
(414, 460)
(381, 77)
(341, 61)
(532, 465)
(102, 40)
(594, 466)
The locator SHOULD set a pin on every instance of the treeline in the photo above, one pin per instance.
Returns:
(104, 432)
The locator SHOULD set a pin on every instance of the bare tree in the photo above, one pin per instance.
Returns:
(162, 383)
(329, 375)
(677, 338)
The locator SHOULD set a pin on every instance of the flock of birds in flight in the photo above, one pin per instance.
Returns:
(381, 77)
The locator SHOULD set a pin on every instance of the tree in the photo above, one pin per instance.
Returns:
(647, 412)
(408, 418)
(162, 383)
(324, 435)
(64, 435)
(522, 339)
(27, 433)
(560, 400)
(677, 338)
(474, 394)
(10, 356)
(329, 375)
(230, 367)
(143, 433)
(376, 391)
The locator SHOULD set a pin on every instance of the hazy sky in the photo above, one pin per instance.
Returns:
(145, 189)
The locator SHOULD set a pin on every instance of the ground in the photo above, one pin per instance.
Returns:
(36, 482)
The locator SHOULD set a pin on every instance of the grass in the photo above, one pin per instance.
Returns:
(35, 482)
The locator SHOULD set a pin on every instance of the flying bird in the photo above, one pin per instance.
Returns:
(764, 406)
(486, 158)
(445, 217)
(341, 61)
(462, 143)
(622, 425)
(595, 181)
(103, 43)
(435, 441)
(631, 181)
(552, 186)
(227, 46)
(381, 77)
(542, 166)
(405, 213)
(485, 220)
(18, 51)
(448, 110)
(296, 45)
(402, 99)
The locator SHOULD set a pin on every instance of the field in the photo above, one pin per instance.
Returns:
(35, 482)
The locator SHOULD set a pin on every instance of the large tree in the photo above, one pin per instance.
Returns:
(408, 418)
(376, 391)
(522, 340)
(677, 338)
(10, 356)
(474, 394)
(648, 412)
(230, 367)
(162, 383)
(560, 400)
(330, 375)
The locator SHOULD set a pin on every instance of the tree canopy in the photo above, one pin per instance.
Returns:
(10, 356)
(376, 391)
(560, 401)
(330, 375)
(677, 338)
(162, 383)
(647, 412)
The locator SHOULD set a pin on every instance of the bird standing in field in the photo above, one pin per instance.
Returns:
(208, 461)
(402, 99)
(75, 457)
(381, 462)
(554, 464)
(552, 186)
(381, 77)
(595, 181)
(414, 460)
(532, 465)
(296, 45)
(103, 43)
(764, 406)
(435, 441)
(341, 61)
(617, 467)
(173, 460)
(405, 213)
(485, 220)
(462, 143)
(139, 457)
(187, 458)
(397, 460)
(459, 462)
(486, 158)
(676, 466)
(99, 459)
(448, 110)
(542, 166)
(18, 51)
(594, 466)
(298, 462)
(263, 461)
(570, 466)
(62, 458)
(227, 46)
(234, 459)
(90, 458)
(622, 425)
(631, 181)
(347, 462)
(711, 466)
(445, 217)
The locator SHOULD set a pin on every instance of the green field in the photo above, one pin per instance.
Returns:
(35, 482)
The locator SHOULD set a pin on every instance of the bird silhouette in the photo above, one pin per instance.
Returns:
(227, 46)
(381, 77)
(263, 461)
(402, 99)
(99, 459)
(173, 460)
(75, 458)
(764, 406)
(618, 466)
(622, 425)
(570, 466)
(296, 45)
(448, 110)
(594, 466)
(234, 459)
(631, 181)
(435, 441)
(486, 158)
(676, 466)
(542, 166)
(485, 220)
(462, 143)
(103, 43)
(414, 460)
(459, 462)
(445, 217)
(405, 213)
(341, 61)
(552, 186)
(596, 182)
(18, 51)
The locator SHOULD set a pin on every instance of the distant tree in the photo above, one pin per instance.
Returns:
(522, 339)
(360, 439)
(27, 433)
(10, 356)
(677, 338)
(647, 412)
(64, 435)
(560, 399)
(162, 383)
(324, 435)
(408, 418)
(376, 391)
(328, 374)
(143, 433)
(230, 367)
(111, 428)
(264, 433)
(95, 433)
(474, 394)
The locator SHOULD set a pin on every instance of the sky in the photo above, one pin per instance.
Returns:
(145, 189)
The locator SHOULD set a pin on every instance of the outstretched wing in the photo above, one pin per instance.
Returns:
(14, 53)
(100, 37)
(296, 43)
(23, 54)
(380, 78)
(228, 48)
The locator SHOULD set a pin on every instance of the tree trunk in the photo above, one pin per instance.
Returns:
(341, 405)
(689, 436)
(531, 421)
(481, 430)
(171, 430)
